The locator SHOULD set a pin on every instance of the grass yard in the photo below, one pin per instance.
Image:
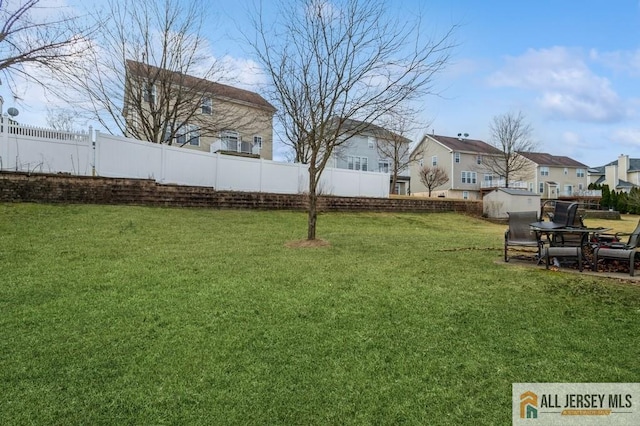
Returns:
(132, 315)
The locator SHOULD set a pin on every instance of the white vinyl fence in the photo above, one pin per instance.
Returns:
(35, 150)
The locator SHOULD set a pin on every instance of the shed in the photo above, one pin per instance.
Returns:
(498, 202)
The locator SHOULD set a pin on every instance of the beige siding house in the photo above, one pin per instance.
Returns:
(622, 174)
(463, 161)
(211, 117)
(554, 177)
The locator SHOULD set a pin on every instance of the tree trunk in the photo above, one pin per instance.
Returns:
(313, 212)
(394, 180)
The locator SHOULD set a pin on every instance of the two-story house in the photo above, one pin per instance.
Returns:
(462, 159)
(205, 115)
(375, 149)
(554, 176)
(622, 174)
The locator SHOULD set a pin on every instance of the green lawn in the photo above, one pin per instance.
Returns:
(132, 315)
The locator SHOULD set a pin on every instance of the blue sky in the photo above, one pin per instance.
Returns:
(572, 68)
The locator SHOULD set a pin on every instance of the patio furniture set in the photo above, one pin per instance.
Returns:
(564, 236)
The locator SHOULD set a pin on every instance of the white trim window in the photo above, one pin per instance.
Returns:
(384, 166)
(544, 171)
(465, 195)
(434, 160)
(371, 142)
(456, 157)
(580, 173)
(478, 159)
(566, 171)
(206, 106)
(257, 141)
(541, 187)
(230, 140)
(357, 163)
(469, 177)
(189, 134)
(150, 93)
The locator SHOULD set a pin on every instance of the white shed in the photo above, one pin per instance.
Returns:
(498, 202)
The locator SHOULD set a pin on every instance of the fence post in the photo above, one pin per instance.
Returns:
(4, 142)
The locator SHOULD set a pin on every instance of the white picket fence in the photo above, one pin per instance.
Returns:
(37, 150)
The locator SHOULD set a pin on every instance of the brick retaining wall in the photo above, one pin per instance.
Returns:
(46, 188)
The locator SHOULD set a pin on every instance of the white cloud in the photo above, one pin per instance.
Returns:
(567, 87)
(627, 137)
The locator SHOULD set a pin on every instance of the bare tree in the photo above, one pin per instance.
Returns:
(36, 35)
(510, 133)
(149, 74)
(433, 177)
(394, 145)
(331, 62)
(62, 119)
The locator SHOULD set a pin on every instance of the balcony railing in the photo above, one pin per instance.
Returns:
(502, 183)
(235, 146)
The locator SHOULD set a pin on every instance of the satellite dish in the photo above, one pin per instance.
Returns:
(466, 135)
(13, 111)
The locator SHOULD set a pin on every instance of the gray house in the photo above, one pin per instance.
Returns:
(374, 149)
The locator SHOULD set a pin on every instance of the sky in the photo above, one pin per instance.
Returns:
(572, 68)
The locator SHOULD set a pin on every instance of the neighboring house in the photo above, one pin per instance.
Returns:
(554, 176)
(375, 149)
(461, 158)
(622, 174)
(222, 119)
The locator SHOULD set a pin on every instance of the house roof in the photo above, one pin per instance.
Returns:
(369, 128)
(544, 159)
(215, 89)
(465, 145)
(634, 166)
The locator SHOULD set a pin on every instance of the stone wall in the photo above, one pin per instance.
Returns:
(43, 188)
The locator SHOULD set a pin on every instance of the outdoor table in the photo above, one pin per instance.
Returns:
(556, 237)
(554, 232)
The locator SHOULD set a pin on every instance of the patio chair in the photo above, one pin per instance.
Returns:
(563, 215)
(566, 239)
(520, 234)
(612, 248)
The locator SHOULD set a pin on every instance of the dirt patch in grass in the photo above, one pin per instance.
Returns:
(308, 243)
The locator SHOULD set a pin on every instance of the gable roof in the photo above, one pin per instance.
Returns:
(218, 90)
(634, 166)
(544, 159)
(465, 145)
(518, 191)
(368, 128)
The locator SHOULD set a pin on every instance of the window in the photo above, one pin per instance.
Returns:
(465, 195)
(371, 141)
(257, 141)
(456, 157)
(230, 140)
(150, 93)
(421, 162)
(434, 160)
(580, 173)
(478, 159)
(206, 105)
(469, 177)
(541, 187)
(531, 186)
(357, 163)
(383, 166)
(566, 171)
(488, 180)
(188, 135)
(544, 171)
(568, 189)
